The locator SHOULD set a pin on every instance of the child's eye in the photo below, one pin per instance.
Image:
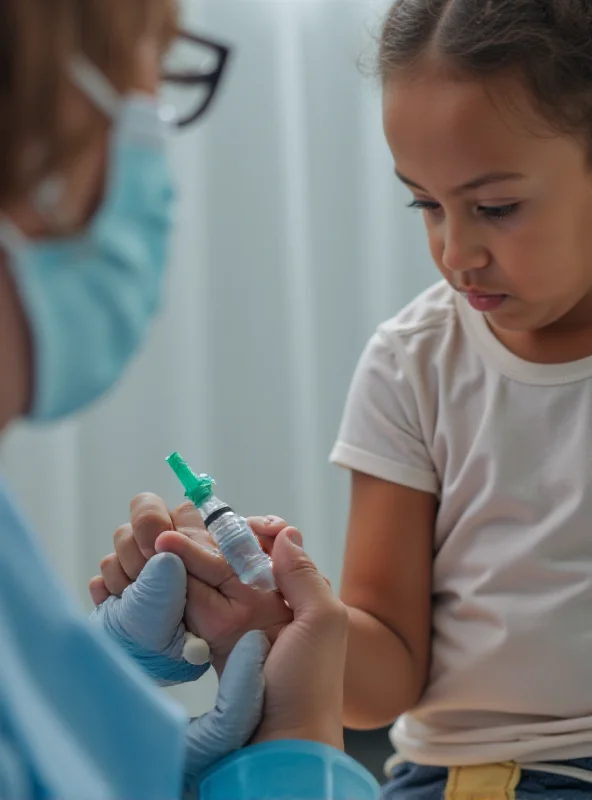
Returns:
(489, 212)
(424, 205)
(499, 212)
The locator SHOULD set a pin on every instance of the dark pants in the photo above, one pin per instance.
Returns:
(414, 782)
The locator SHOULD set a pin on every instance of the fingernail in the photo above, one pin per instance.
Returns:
(296, 538)
(272, 520)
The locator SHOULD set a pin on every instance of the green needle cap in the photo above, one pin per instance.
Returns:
(198, 488)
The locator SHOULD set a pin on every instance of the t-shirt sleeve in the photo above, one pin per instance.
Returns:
(380, 434)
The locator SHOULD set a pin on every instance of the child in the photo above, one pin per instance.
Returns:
(468, 427)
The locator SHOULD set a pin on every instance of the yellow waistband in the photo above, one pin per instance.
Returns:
(486, 782)
(495, 781)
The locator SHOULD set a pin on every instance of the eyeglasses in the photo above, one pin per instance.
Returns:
(191, 77)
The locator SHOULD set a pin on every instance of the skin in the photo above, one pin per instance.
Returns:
(304, 671)
(84, 187)
(528, 237)
(305, 666)
(221, 616)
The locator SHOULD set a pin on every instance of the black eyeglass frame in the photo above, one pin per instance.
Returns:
(211, 79)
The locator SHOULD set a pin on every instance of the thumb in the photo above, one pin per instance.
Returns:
(299, 581)
(152, 608)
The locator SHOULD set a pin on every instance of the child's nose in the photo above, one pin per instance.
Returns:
(462, 249)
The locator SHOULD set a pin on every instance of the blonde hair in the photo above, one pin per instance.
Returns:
(38, 38)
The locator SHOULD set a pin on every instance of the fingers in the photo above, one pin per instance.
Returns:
(303, 587)
(201, 560)
(115, 579)
(266, 530)
(242, 685)
(188, 520)
(128, 552)
(152, 608)
(134, 545)
(267, 526)
(237, 713)
(149, 518)
(98, 590)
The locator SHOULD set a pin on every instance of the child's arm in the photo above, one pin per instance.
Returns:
(387, 586)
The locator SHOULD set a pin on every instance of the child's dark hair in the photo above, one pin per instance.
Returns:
(547, 42)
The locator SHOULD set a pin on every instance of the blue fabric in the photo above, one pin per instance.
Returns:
(415, 782)
(78, 720)
(90, 299)
(289, 770)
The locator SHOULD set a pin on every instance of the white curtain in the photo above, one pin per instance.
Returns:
(292, 244)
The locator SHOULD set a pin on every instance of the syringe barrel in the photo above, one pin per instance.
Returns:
(238, 544)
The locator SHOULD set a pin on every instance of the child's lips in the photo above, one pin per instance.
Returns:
(484, 301)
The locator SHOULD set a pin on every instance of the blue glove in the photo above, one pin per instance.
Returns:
(238, 710)
(147, 621)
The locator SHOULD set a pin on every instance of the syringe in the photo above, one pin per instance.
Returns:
(237, 542)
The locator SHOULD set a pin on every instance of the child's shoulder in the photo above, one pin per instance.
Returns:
(430, 316)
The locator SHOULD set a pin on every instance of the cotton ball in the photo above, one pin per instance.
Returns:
(196, 651)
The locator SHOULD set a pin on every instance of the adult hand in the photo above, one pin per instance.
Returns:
(141, 599)
(221, 619)
(304, 672)
(147, 621)
(148, 612)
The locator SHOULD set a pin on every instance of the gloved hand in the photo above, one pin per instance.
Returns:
(220, 619)
(238, 709)
(147, 621)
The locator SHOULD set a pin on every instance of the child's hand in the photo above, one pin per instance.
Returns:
(219, 612)
(221, 609)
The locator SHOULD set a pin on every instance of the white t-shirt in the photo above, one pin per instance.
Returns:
(439, 404)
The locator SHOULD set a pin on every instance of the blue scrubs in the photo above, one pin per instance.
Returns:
(80, 721)
(77, 718)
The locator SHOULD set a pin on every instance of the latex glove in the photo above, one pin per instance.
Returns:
(147, 621)
(239, 705)
(218, 617)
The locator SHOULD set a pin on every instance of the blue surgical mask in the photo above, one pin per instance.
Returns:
(89, 299)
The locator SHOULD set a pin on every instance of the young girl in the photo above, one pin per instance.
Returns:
(468, 427)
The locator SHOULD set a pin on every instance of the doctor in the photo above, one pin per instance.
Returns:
(86, 211)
